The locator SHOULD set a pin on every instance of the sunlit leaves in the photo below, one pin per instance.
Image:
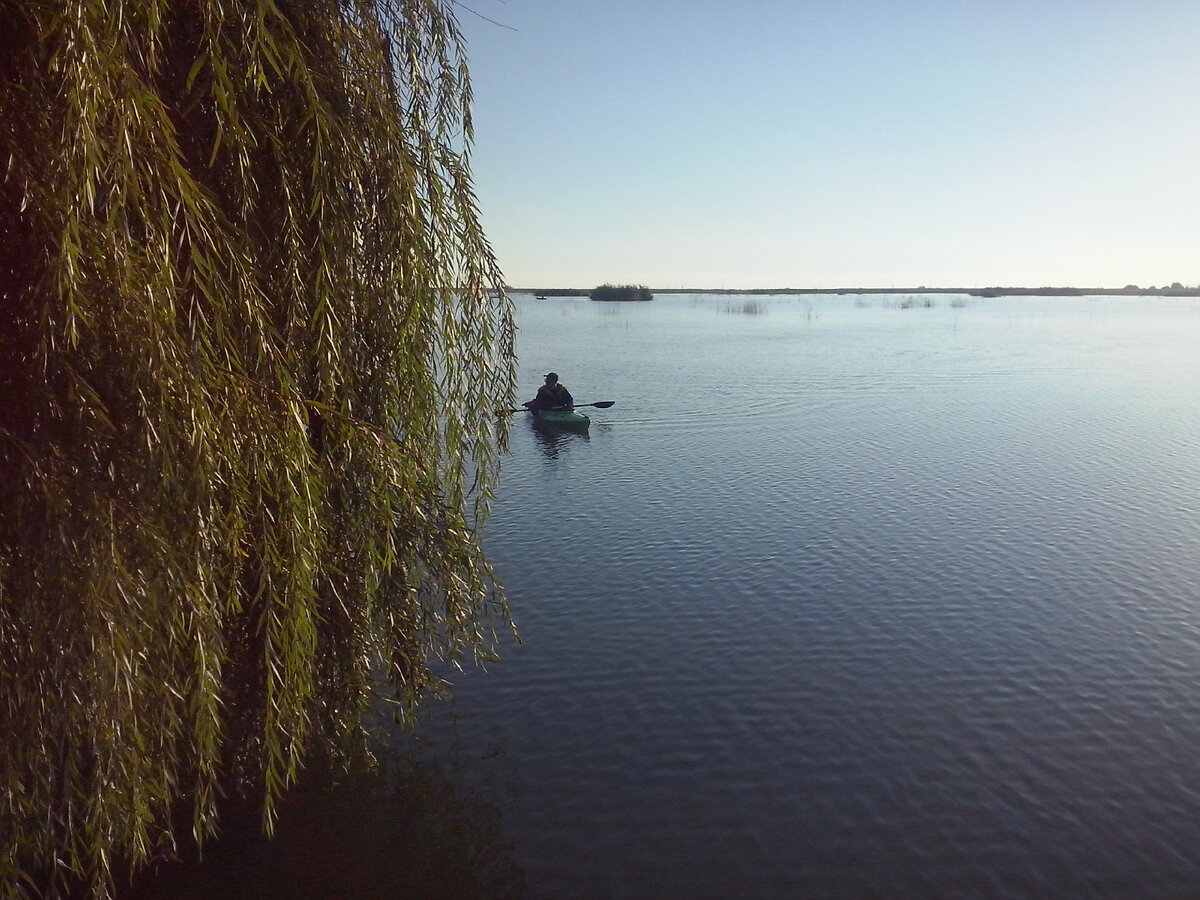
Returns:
(250, 333)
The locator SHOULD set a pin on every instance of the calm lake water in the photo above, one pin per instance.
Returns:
(845, 597)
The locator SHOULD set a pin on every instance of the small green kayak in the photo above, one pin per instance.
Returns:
(562, 418)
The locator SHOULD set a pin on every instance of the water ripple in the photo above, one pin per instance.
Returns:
(865, 601)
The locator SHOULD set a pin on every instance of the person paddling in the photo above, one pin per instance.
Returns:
(551, 395)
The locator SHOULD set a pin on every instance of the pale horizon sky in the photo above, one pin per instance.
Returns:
(766, 143)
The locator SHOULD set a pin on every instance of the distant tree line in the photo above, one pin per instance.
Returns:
(1176, 289)
(621, 292)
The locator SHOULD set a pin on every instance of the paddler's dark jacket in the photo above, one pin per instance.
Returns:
(557, 397)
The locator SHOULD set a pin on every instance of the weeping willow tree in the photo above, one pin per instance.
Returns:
(249, 330)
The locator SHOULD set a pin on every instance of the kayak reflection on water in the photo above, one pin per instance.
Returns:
(551, 440)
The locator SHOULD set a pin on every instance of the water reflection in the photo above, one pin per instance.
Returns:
(415, 829)
(552, 441)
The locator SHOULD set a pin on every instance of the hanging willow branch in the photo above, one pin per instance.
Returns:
(248, 329)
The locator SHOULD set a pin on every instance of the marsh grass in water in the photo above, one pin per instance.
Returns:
(746, 307)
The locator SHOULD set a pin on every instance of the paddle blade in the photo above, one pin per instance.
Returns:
(603, 404)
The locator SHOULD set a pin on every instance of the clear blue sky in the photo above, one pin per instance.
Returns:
(768, 143)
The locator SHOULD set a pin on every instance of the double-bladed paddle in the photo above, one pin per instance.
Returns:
(603, 404)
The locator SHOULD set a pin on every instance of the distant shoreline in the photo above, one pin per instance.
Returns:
(970, 292)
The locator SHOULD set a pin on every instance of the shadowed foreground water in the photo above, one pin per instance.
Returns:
(429, 830)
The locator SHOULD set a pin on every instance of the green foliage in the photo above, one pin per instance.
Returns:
(249, 332)
(621, 292)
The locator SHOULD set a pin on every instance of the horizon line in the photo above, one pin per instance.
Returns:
(1175, 289)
